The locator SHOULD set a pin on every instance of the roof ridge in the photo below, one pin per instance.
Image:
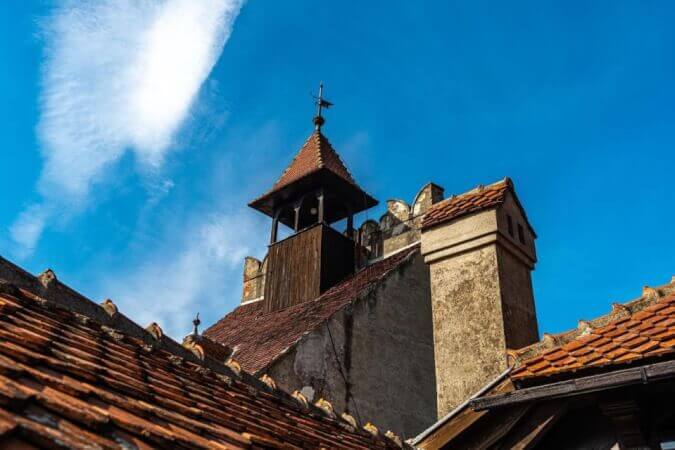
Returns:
(476, 190)
(319, 155)
(332, 150)
(649, 297)
(474, 200)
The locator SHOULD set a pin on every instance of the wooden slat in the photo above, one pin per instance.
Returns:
(303, 266)
(485, 432)
(293, 270)
(532, 428)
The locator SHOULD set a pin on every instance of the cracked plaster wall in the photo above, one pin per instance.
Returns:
(385, 346)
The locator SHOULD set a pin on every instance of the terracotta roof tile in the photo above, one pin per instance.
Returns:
(258, 338)
(316, 153)
(624, 340)
(459, 205)
(75, 382)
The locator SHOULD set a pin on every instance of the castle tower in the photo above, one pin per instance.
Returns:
(480, 250)
(315, 191)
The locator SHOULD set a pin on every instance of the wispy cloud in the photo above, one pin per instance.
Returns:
(197, 273)
(119, 76)
(188, 256)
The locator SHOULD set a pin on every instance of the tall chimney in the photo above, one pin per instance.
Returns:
(480, 250)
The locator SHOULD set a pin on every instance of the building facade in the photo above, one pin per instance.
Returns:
(432, 295)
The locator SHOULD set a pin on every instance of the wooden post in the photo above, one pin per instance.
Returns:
(320, 213)
(350, 226)
(275, 227)
(296, 222)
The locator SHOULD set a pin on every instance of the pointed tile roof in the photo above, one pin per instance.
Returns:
(316, 153)
(317, 164)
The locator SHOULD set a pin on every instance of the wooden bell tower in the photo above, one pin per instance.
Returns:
(315, 191)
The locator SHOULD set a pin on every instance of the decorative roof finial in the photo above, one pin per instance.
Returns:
(320, 104)
(196, 322)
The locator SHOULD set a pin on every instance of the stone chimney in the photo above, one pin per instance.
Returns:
(480, 250)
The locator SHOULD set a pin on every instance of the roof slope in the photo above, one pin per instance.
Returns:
(315, 154)
(647, 332)
(70, 381)
(259, 338)
(477, 199)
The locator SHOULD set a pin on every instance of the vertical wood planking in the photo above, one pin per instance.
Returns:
(306, 264)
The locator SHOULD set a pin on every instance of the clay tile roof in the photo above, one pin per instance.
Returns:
(258, 338)
(316, 164)
(477, 199)
(644, 328)
(68, 380)
(315, 154)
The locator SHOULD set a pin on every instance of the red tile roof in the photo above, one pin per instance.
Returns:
(258, 338)
(478, 199)
(70, 380)
(315, 154)
(633, 332)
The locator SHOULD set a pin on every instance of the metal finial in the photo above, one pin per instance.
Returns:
(320, 104)
(196, 322)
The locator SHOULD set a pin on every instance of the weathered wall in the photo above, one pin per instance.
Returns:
(468, 326)
(384, 343)
(517, 259)
(520, 320)
(482, 297)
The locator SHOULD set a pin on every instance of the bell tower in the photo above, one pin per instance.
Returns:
(314, 191)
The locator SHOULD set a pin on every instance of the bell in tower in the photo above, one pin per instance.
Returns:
(316, 190)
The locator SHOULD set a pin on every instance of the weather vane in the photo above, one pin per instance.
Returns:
(320, 104)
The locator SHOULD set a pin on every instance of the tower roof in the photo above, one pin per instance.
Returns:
(317, 164)
(316, 153)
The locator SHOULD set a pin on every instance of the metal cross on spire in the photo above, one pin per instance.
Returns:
(320, 104)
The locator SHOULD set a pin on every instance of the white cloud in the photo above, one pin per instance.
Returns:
(196, 274)
(119, 75)
(27, 228)
(188, 256)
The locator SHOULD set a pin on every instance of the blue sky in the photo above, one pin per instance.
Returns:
(134, 133)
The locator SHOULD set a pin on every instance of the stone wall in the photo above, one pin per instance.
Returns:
(482, 298)
(384, 345)
(520, 319)
(468, 326)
